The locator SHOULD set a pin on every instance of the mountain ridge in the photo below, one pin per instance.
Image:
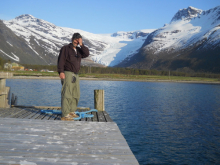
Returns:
(45, 39)
(188, 42)
(191, 41)
(186, 13)
(13, 47)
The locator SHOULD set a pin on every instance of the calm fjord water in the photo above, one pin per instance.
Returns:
(163, 123)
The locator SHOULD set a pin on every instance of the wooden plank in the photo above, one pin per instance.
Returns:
(107, 117)
(32, 114)
(95, 119)
(2, 111)
(53, 146)
(53, 117)
(41, 116)
(101, 117)
(16, 115)
(14, 111)
(75, 159)
(58, 117)
(28, 112)
(89, 119)
(47, 116)
(56, 142)
(83, 108)
(8, 112)
(46, 107)
(59, 150)
(38, 107)
(35, 115)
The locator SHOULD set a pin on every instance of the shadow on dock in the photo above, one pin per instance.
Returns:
(34, 112)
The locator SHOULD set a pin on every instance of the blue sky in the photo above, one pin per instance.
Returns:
(102, 16)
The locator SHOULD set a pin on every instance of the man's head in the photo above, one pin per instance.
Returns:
(75, 39)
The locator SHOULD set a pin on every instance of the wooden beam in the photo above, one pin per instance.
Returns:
(45, 107)
(99, 102)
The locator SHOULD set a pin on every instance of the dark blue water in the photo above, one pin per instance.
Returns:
(163, 123)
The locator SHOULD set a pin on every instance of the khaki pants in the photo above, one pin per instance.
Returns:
(70, 93)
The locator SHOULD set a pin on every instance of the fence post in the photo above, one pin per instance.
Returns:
(99, 103)
(4, 91)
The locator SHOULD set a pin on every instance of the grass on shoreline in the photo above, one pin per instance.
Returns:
(34, 73)
(120, 76)
(150, 77)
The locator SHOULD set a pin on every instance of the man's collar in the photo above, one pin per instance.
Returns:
(71, 45)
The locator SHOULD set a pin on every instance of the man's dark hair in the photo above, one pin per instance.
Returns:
(76, 36)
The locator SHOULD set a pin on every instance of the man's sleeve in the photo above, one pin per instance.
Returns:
(61, 60)
(84, 51)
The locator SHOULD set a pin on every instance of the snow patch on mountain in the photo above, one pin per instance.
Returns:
(106, 49)
(186, 14)
(16, 58)
(125, 44)
(33, 50)
(9, 43)
(188, 27)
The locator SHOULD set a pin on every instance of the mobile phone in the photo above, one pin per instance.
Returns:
(73, 79)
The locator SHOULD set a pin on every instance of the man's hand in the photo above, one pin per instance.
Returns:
(62, 75)
(80, 41)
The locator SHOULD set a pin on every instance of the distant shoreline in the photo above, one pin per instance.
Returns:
(114, 79)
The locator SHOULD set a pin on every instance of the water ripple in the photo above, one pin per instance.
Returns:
(163, 123)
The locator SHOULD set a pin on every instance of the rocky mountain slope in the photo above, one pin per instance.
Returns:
(44, 40)
(13, 47)
(191, 41)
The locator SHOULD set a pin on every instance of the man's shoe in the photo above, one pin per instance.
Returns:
(72, 114)
(67, 118)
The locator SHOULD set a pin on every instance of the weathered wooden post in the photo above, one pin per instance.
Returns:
(4, 91)
(99, 103)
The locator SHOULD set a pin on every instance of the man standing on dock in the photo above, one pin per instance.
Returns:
(68, 66)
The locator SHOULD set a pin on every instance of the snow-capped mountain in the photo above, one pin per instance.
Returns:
(121, 45)
(186, 14)
(14, 48)
(45, 40)
(190, 41)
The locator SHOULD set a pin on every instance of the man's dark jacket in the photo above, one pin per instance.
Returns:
(68, 60)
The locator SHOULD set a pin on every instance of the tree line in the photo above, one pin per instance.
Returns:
(114, 70)
(2, 62)
(132, 71)
(40, 67)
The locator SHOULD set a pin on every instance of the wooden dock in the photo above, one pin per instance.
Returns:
(34, 112)
(29, 137)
